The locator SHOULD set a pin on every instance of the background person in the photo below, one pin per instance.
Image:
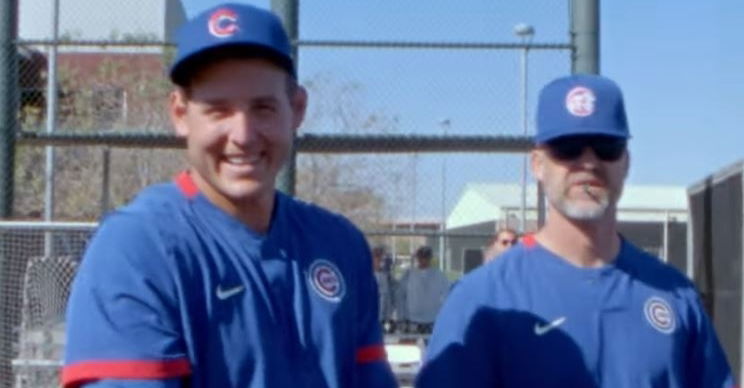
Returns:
(422, 290)
(386, 285)
(504, 239)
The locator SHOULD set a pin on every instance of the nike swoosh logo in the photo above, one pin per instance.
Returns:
(543, 329)
(223, 294)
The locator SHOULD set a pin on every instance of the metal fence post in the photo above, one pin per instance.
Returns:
(51, 122)
(8, 126)
(8, 101)
(585, 36)
(288, 11)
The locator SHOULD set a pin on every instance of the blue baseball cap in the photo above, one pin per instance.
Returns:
(581, 104)
(239, 26)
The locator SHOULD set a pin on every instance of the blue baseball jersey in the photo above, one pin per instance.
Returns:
(172, 288)
(531, 319)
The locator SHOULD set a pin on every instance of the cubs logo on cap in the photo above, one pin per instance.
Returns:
(326, 280)
(580, 101)
(659, 314)
(236, 28)
(223, 23)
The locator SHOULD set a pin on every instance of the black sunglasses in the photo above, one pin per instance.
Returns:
(568, 148)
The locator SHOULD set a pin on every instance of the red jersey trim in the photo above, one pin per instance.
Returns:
(529, 240)
(186, 184)
(76, 374)
(371, 353)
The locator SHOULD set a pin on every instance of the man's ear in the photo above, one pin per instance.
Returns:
(537, 163)
(177, 106)
(627, 163)
(299, 106)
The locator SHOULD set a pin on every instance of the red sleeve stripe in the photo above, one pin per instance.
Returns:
(76, 374)
(371, 353)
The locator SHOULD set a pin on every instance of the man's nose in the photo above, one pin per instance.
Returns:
(588, 156)
(243, 128)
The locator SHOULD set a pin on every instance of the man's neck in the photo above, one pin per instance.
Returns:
(253, 212)
(581, 243)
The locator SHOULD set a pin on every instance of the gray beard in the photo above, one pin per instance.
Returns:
(582, 213)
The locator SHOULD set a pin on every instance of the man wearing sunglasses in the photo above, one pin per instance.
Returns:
(504, 239)
(576, 305)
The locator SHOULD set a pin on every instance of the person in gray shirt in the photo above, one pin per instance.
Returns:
(421, 292)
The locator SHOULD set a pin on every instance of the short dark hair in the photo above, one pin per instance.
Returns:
(506, 230)
(379, 250)
(423, 252)
(501, 231)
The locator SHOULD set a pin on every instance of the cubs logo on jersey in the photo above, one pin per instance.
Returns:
(659, 314)
(580, 101)
(223, 23)
(326, 280)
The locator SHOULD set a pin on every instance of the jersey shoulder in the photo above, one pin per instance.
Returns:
(142, 228)
(511, 265)
(157, 208)
(158, 203)
(132, 244)
(652, 270)
(482, 283)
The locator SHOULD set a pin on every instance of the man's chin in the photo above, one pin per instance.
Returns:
(585, 212)
(242, 191)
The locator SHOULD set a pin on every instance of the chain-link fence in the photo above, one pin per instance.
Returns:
(409, 106)
(717, 254)
(35, 296)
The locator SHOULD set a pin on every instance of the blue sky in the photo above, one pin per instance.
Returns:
(680, 64)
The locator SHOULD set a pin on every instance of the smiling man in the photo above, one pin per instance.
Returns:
(216, 279)
(576, 305)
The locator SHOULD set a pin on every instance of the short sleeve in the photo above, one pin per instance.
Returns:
(122, 316)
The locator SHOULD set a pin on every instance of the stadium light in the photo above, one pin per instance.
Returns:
(525, 32)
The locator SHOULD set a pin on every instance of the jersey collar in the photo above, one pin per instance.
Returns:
(186, 184)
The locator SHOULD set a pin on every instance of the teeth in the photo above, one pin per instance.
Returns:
(242, 159)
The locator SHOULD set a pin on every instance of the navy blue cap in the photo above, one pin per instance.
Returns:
(581, 104)
(231, 25)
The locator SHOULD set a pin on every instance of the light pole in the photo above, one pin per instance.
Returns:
(51, 112)
(445, 124)
(525, 32)
(412, 238)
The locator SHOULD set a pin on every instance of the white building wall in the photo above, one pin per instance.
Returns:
(481, 202)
